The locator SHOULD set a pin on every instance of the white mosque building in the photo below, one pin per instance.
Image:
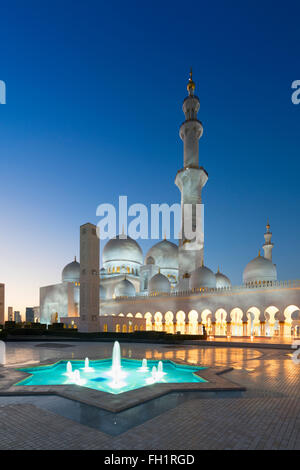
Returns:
(170, 289)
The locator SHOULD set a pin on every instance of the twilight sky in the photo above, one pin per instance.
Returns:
(94, 96)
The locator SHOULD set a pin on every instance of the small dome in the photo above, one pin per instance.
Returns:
(259, 269)
(125, 288)
(102, 292)
(164, 254)
(222, 280)
(202, 277)
(159, 284)
(71, 272)
(122, 250)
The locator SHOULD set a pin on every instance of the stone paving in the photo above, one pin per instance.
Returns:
(266, 417)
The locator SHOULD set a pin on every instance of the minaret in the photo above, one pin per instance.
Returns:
(89, 279)
(268, 246)
(190, 180)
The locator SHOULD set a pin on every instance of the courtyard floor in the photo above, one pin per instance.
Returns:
(266, 416)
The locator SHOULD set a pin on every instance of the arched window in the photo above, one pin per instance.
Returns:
(118, 329)
(105, 327)
(180, 322)
(169, 322)
(158, 321)
(193, 322)
(148, 318)
(124, 329)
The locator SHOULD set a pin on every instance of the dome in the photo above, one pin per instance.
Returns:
(71, 272)
(202, 277)
(222, 280)
(164, 254)
(259, 269)
(122, 250)
(159, 283)
(125, 288)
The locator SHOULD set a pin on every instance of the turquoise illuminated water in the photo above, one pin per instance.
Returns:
(99, 378)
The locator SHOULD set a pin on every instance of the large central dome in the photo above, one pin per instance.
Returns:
(122, 250)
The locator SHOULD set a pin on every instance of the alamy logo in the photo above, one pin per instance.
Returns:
(296, 94)
(180, 222)
(2, 92)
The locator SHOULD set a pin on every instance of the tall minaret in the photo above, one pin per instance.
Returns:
(268, 246)
(190, 180)
(89, 279)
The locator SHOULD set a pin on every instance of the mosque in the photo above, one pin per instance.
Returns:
(171, 289)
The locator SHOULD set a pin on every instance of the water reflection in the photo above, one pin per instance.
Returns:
(19, 353)
(210, 356)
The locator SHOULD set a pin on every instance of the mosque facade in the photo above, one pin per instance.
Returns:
(170, 288)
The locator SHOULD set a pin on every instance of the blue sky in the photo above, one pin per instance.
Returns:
(94, 96)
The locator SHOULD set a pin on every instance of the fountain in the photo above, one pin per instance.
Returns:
(2, 353)
(107, 374)
(69, 368)
(77, 379)
(153, 378)
(144, 367)
(87, 367)
(160, 372)
(116, 370)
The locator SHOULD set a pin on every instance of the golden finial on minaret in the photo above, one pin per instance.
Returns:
(258, 252)
(268, 226)
(191, 84)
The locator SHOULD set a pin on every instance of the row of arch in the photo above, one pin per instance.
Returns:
(236, 322)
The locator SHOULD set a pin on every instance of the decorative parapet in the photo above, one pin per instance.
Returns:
(265, 285)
